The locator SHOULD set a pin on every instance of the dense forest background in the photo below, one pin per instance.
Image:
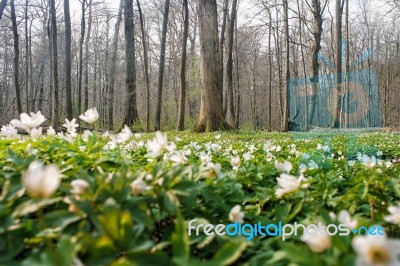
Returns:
(139, 62)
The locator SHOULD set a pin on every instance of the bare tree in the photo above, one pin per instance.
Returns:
(56, 106)
(146, 66)
(157, 125)
(230, 110)
(286, 119)
(81, 41)
(182, 99)
(86, 70)
(113, 65)
(131, 115)
(68, 59)
(317, 12)
(211, 116)
(337, 96)
(16, 57)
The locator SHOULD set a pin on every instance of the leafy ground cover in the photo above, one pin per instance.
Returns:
(127, 199)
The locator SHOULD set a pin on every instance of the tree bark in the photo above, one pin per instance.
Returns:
(317, 14)
(131, 115)
(82, 38)
(26, 58)
(286, 119)
(68, 60)
(337, 96)
(221, 51)
(113, 66)
(157, 125)
(56, 105)
(211, 114)
(146, 66)
(230, 110)
(16, 57)
(182, 98)
(86, 71)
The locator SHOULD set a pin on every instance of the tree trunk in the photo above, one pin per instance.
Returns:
(182, 99)
(16, 57)
(146, 66)
(221, 51)
(317, 13)
(33, 98)
(68, 60)
(193, 69)
(56, 105)
(113, 66)
(230, 110)
(27, 58)
(337, 96)
(131, 115)
(286, 119)
(157, 125)
(86, 71)
(211, 114)
(270, 59)
(82, 38)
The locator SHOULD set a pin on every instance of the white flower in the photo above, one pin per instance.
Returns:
(369, 162)
(218, 136)
(287, 184)
(79, 186)
(312, 165)
(235, 162)
(215, 147)
(345, 218)
(90, 116)
(394, 216)
(302, 168)
(352, 163)
(86, 134)
(205, 158)
(283, 167)
(376, 250)
(28, 122)
(212, 170)
(247, 156)
(158, 145)
(124, 135)
(36, 132)
(50, 131)
(41, 181)
(138, 186)
(236, 215)
(70, 125)
(317, 241)
(9, 132)
(388, 164)
(178, 157)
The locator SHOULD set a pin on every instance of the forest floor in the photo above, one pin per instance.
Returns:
(129, 199)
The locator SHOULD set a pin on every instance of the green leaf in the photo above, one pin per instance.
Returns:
(229, 252)
(180, 241)
(33, 205)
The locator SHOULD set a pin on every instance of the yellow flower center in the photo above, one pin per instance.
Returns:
(378, 256)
